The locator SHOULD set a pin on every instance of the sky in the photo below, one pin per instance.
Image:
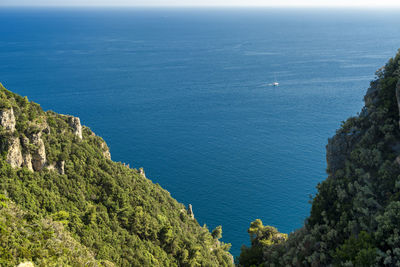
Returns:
(206, 3)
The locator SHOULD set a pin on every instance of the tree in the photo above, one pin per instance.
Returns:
(217, 232)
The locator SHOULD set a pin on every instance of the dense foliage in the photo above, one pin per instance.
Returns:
(260, 236)
(355, 216)
(111, 213)
(45, 241)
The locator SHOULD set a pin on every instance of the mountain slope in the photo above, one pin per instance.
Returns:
(54, 169)
(23, 235)
(355, 216)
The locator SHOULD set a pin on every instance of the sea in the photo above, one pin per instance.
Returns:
(186, 94)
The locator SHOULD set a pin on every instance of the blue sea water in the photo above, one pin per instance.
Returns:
(184, 93)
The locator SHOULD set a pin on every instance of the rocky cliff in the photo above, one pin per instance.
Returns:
(27, 149)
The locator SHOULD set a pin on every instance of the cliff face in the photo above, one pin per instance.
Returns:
(75, 123)
(53, 169)
(14, 155)
(27, 149)
(7, 119)
(355, 216)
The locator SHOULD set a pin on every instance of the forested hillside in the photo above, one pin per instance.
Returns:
(64, 202)
(355, 216)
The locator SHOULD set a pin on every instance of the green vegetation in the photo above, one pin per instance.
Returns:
(261, 237)
(95, 211)
(45, 241)
(355, 216)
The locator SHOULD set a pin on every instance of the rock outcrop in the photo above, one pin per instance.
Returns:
(75, 123)
(126, 165)
(7, 119)
(106, 150)
(57, 166)
(30, 152)
(142, 173)
(107, 154)
(27, 158)
(39, 155)
(14, 155)
(190, 211)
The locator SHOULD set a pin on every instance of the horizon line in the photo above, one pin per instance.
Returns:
(204, 6)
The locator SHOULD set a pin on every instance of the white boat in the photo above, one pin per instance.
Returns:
(275, 83)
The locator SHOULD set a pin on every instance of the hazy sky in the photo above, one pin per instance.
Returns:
(357, 3)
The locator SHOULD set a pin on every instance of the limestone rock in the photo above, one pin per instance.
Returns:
(107, 154)
(75, 123)
(7, 119)
(126, 165)
(106, 150)
(27, 158)
(190, 211)
(38, 156)
(57, 166)
(51, 167)
(142, 173)
(14, 155)
(26, 264)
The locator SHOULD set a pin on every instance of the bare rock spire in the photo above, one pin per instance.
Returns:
(75, 123)
(190, 211)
